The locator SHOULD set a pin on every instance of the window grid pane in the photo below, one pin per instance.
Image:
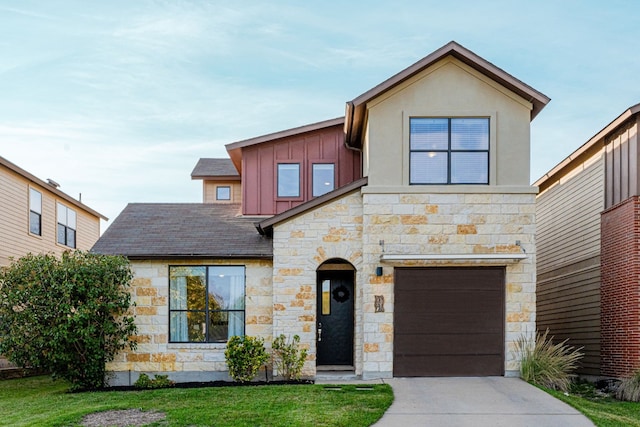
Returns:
(323, 179)
(469, 134)
(429, 134)
(35, 201)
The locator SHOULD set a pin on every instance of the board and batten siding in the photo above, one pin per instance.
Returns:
(568, 255)
(15, 239)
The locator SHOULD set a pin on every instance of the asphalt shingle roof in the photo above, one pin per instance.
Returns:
(165, 230)
(214, 167)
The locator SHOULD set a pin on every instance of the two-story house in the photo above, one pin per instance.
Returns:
(36, 217)
(397, 240)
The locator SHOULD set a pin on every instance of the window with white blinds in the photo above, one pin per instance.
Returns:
(449, 150)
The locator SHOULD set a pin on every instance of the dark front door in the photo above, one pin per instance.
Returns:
(335, 318)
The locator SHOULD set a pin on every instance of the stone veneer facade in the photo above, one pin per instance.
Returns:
(281, 295)
(186, 362)
(352, 227)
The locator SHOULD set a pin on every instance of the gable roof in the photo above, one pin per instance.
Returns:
(594, 143)
(234, 149)
(183, 230)
(215, 168)
(266, 226)
(64, 196)
(356, 109)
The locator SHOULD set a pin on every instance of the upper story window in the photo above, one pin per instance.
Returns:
(206, 303)
(449, 151)
(322, 178)
(35, 212)
(66, 226)
(288, 180)
(223, 192)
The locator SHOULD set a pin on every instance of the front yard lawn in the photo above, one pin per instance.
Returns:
(604, 411)
(43, 402)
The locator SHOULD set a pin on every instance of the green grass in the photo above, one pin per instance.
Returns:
(39, 401)
(604, 411)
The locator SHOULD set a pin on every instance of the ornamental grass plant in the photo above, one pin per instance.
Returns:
(547, 364)
(629, 388)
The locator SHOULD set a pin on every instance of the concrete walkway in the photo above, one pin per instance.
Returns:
(489, 401)
(473, 402)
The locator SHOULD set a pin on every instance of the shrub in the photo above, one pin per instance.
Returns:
(158, 381)
(288, 357)
(629, 388)
(245, 355)
(67, 316)
(547, 364)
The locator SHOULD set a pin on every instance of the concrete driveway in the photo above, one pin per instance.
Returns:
(489, 401)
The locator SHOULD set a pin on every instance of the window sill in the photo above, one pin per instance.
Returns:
(196, 346)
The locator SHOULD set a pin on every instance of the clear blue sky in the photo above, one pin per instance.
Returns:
(118, 99)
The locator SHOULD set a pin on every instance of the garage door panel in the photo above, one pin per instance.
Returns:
(414, 279)
(441, 301)
(449, 321)
(448, 365)
(448, 344)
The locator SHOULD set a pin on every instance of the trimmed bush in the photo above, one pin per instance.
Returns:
(288, 357)
(158, 381)
(245, 355)
(68, 316)
(629, 388)
(547, 364)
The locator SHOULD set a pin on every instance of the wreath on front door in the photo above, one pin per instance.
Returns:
(341, 293)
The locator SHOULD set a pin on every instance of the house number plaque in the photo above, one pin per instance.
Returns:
(379, 304)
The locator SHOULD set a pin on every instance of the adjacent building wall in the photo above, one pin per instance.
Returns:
(185, 362)
(16, 240)
(621, 289)
(568, 240)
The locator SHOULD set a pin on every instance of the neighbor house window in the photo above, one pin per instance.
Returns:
(288, 180)
(35, 212)
(206, 303)
(66, 226)
(322, 179)
(223, 193)
(449, 151)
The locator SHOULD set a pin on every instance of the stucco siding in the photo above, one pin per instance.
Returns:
(448, 89)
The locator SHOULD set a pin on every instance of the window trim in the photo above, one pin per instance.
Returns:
(218, 187)
(66, 226)
(300, 195)
(206, 309)
(454, 114)
(35, 212)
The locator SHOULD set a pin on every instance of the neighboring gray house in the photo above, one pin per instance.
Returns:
(588, 217)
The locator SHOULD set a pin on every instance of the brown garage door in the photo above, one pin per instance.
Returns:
(448, 322)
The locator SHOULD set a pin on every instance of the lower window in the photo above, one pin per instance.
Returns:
(206, 303)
